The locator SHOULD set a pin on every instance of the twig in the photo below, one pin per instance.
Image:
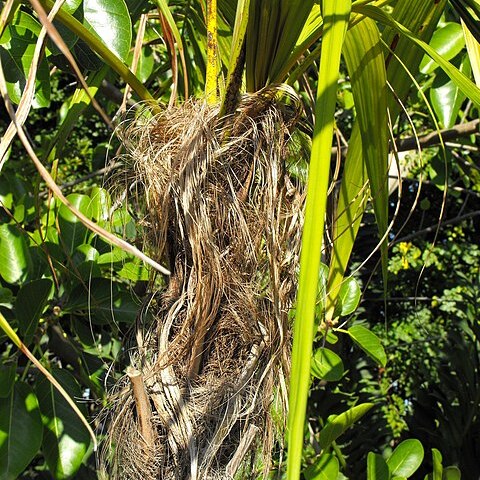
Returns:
(436, 226)
(432, 138)
(242, 449)
(144, 410)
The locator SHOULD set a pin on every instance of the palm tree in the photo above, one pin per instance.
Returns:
(213, 375)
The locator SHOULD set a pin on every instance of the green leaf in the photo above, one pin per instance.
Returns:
(448, 41)
(110, 21)
(7, 379)
(65, 439)
(146, 63)
(74, 8)
(20, 431)
(369, 343)
(109, 57)
(349, 296)
(437, 465)
(338, 425)
(73, 232)
(446, 97)
(15, 259)
(30, 303)
(78, 103)
(336, 17)
(85, 253)
(327, 365)
(105, 302)
(6, 297)
(377, 468)
(16, 56)
(463, 82)
(406, 458)
(451, 473)
(367, 157)
(326, 468)
(135, 271)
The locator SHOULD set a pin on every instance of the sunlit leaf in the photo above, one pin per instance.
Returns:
(437, 465)
(16, 55)
(20, 431)
(15, 259)
(377, 468)
(445, 96)
(338, 425)
(336, 16)
(349, 296)
(406, 458)
(65, 439)
(73, 232)
(110, 21)
(369, 343)
(326, 468)
(448, 41)
(327, 365)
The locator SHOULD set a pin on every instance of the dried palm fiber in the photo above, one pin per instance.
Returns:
(220, 207)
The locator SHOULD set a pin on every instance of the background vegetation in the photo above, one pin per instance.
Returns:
(393, 390)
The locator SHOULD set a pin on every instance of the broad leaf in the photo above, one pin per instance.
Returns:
(377, 468)
(451, 473)
(338, 425)
(15, 259)
(20, 431)
(7, 379)
(104, 301)
(369, 343)
(349, 297)
(65, 439)
(17, 46)
(6, 297)
(448, 41)
(327, 365)
(446, 97)
(30, 303)
(73, 232)
(406, 458)
(110, 21)
(326, 468)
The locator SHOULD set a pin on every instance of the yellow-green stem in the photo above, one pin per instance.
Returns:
(212, 49)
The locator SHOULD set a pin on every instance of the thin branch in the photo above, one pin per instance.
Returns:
(433, 228)
(430, 139)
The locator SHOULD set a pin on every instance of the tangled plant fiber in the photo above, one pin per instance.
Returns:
(208, 374)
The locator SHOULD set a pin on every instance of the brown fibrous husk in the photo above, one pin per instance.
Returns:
(217, 204)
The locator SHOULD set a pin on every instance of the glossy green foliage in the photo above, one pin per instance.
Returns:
(20, 430)
(338, 425)
(326, 468)
(406, 458)
(327, 365)
(17, 46)
(30, 303)
(65, 439)
(369, 343)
